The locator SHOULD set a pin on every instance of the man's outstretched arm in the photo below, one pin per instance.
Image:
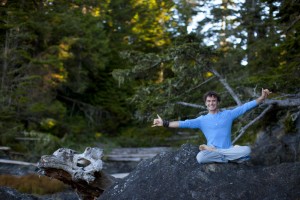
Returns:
(160, 122)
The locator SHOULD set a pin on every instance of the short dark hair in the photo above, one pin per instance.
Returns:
(211, 94)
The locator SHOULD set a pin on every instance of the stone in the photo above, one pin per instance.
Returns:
(7, 193)
(275, 147)
(177, 175)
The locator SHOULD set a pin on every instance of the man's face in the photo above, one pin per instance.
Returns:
(211, 104)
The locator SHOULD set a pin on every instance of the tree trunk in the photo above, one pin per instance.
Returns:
(5, 62)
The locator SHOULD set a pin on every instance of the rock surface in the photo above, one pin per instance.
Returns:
(272, 174)
(275, 147)
(7, 193)
(177, 175)
(12, 194)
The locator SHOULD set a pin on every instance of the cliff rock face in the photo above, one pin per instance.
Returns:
(177, 175)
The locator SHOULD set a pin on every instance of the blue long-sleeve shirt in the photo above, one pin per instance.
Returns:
(217, 127)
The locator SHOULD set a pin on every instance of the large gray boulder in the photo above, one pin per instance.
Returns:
(176, 175)
(275, 146)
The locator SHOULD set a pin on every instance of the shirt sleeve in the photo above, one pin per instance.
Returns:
(238, 111)
(190, 123)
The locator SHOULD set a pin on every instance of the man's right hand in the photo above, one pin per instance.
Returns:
(157, 122)
(264, 94)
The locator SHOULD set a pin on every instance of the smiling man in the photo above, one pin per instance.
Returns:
(216, 127)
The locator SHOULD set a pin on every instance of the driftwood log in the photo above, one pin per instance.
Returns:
(83, 172)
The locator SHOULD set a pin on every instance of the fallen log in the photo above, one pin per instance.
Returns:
(2, 148)
(134, 154)
(16, 162)
(83, 172)
(131, 157)
(291, 102)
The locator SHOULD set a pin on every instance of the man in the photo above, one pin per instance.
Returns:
(216, 127)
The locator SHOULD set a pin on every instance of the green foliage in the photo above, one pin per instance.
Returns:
(76, 124)
(73, 69)
(143, 137)
(41, 144)
(55, 109)
(9, 127)
(9, 130)
(164, 79)
(290, 124)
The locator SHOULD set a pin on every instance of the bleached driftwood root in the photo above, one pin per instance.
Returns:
(83, 172)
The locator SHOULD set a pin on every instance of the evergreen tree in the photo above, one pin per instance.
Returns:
(59, 55)
(56, 49)
(285, 77)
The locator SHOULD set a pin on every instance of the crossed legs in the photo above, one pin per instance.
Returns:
(236, 153)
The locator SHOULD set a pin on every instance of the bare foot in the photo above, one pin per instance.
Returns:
(205, 147)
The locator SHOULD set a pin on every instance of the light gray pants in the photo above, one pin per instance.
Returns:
(235, 154)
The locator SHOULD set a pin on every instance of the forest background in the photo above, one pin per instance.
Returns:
(95, 73)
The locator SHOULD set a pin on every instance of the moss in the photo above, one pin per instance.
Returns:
(289, 124)
(33, 184)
